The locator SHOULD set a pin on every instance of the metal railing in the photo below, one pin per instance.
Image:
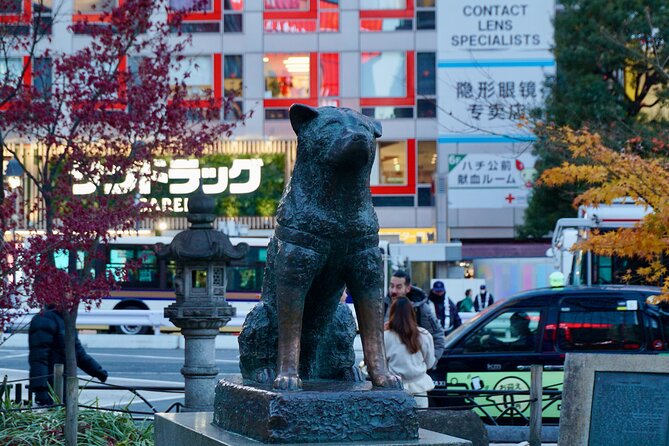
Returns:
(7, 387)
(148, 318)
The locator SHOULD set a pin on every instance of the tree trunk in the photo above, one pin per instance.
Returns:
(71, 380)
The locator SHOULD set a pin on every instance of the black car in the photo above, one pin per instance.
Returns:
(495, 349)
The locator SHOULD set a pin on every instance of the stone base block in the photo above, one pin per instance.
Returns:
(196, 428)
(325, 411)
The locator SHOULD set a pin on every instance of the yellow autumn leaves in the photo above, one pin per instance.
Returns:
(610, 174)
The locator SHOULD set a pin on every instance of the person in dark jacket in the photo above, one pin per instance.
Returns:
(438, 298)
(46, 343)
(400, 286)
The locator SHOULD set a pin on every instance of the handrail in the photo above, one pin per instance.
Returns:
(150, 318)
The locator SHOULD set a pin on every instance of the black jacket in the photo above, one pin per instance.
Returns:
(46, 341)
(440, 308)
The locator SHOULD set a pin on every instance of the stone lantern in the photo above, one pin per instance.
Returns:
(201, 254)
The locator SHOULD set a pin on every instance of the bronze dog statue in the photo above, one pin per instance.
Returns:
(326, 238)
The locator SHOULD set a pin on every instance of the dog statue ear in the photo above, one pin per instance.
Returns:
(301, 114)
(377, 128)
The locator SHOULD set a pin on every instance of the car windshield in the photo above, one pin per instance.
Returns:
(452, 337)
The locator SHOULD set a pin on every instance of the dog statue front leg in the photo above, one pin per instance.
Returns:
(363, 279)
(295, 270)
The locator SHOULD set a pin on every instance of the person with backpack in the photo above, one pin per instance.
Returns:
(400, 286)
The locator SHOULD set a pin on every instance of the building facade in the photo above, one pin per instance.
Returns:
(403, 62)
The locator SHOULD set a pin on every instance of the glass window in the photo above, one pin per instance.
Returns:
(383, 4)
(392, 163)
(11, 69)
(234, 74)
(118, 260)
(426, 108)
(329, 74)
(287, 75)
(287, 5)
(388, 112)
(383, 74)
(196, 72)
(290, 26)
(427, 161)
(62, 258)
(276, 113)
(372, 25)
(425, 20)
(94, 6)
(426, 67)
(42, 74)
(599, 324)
(190, 5)
(233, 23)
(233, 110)
(233, 5)
(426, 3)
(11, 6)
(513, 330)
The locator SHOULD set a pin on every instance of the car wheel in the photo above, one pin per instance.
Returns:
(132, 329)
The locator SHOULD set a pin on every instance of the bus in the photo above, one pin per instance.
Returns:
(585, 268)
(151, 285)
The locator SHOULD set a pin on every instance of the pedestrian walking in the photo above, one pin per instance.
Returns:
(483, 299)
(439, 299)
(46, 345)
(409, 350)
(466, 305)
(400, 286)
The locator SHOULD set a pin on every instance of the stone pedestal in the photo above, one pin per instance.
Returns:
(196, 428)
(325, 411)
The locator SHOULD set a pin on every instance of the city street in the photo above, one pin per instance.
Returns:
(127, 367)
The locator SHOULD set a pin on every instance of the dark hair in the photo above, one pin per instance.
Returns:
(403, 275)
(468, 291)
(402, 320)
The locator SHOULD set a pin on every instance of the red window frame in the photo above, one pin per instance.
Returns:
(27, 78)
(314, 88)
(410, 187)
(406, 13)
(409, 99)
(23, 17)
(201, 16)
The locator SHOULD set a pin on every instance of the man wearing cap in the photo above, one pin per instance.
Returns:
(438, 298)
(483, 299)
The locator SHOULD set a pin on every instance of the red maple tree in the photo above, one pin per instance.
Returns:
(98, 115)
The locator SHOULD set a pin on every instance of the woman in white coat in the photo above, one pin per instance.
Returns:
(409, 350)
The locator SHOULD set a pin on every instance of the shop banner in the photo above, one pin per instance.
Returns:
(504, 28)
(494, 102)
(483, 180)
